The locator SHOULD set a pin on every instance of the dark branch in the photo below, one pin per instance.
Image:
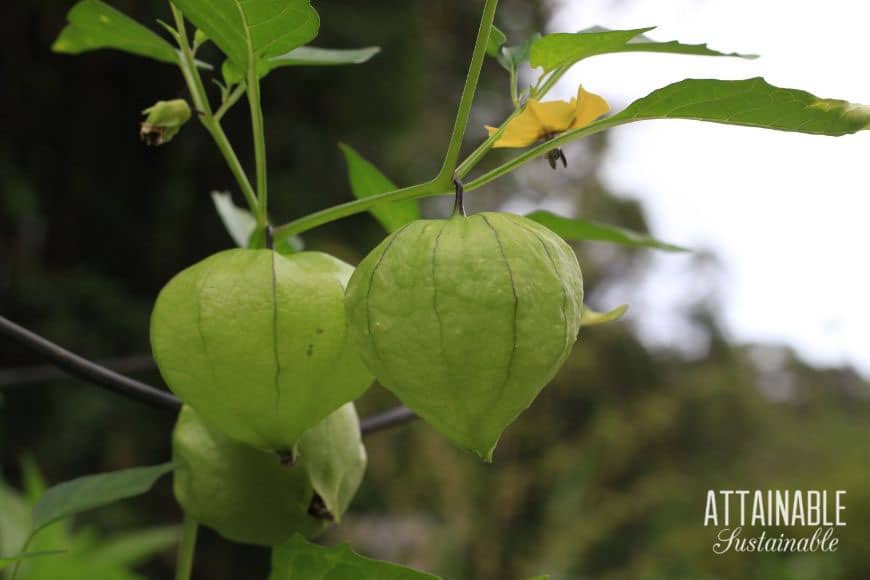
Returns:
(386, 419)
(89, 371)
(84, 369)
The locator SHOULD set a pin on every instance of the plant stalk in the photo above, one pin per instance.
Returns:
(186, 549)
(204, 112)
(445, 176)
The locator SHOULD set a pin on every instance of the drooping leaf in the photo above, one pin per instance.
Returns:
(93, 491)
(751, 102)
(564, 49)
(366, 180)
(275, 27)
(580, 229)
(28, 555)
(590, 317)
(93, 25)
(298, 559)
(304, 56)
(495, 41)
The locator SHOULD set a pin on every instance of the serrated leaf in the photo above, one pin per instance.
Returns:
(564, 49)
(584, 230)
(495, 41)
(93, 491)
(28, 555)
(751, 102)
(300, 560)
(590, 317)
(94, 25)
(275, 27)
(304, 56)
(366, 180)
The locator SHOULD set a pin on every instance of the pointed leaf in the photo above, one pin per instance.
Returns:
(94, 25)
(93, 491)
(495, 41)
(304, 56)
(564, 49)
(751, 102)
(274, 27)
(583, 230)
(315, 56)
(590, 317)
(366, 180)
(301, 560)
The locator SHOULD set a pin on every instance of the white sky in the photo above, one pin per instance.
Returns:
(787, 213)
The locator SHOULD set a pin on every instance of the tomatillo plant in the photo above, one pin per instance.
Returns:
(465, 319)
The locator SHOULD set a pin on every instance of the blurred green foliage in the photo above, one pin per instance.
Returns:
(604, 477)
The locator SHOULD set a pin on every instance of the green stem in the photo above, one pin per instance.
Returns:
(349, 208)
(259, 133)
(552, 79)
(203, 110)
(17, 565)
(545, 147)
(186, 549)
(433, 188)
(231, 100)
(445, 176)
(474, 158)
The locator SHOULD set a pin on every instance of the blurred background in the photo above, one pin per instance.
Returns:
(734, 370)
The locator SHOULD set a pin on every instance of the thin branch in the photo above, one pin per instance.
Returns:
(386, 419)
(92, 372)
(23, 376)
(83, 368)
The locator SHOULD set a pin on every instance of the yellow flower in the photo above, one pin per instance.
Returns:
(544, 120)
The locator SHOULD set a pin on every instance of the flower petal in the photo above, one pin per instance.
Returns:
(521, 131)
(589, 107)
(554, 116)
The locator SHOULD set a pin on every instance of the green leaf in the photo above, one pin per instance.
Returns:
(300, 560)
(512, 57)
(750, 102)
(239, 222)
(274, 27)
(315, 56)
(580, 229)
(135, 547)
(304, 56)
(495, 41)
(93, 491)
(590, 317)
(93, 25)
(564, 49)
(26, 556)
(366, 180)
